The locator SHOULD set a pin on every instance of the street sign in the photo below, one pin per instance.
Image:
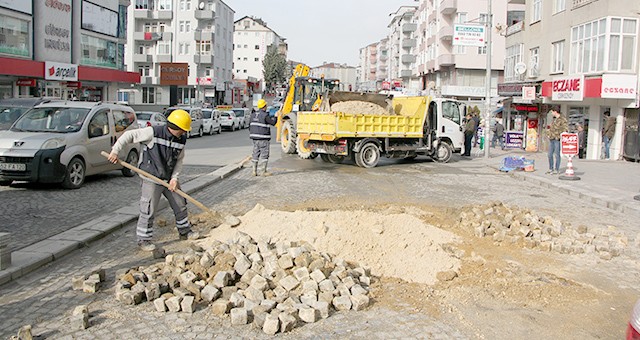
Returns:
(569, 144)
(513, 139)
(528, 92)
(469, 35)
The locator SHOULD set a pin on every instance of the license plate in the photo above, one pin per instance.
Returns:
(13, 166)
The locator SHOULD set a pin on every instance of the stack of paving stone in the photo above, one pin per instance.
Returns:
(505, 224)
(5, 253)
(276, 287)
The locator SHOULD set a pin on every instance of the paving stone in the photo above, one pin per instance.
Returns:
(260, 283)
(271, 324)
(221, 279)
(323, 308)
(287, 322)
(342, 303)
(239, 316)
(91, 285)
(187, 304)
(242, 265)
(309, 315)
(285, 261)
(220, 307)
(173, 303)
(79, 319)
(301, 273)
(160, 305)
(289, 283)
(210, 293)
(152, 291)
(359, 302)
(317, 275)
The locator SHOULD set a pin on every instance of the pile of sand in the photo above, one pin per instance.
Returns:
(392, 245)
(360, 107)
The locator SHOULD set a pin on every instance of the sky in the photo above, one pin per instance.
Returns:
(319, 31)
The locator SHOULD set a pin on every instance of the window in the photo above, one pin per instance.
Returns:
(144, 4)
(534, 62)
(182, 5)
(188, 5)
(257, 47)
(256, 59)
(164, 48)
(98, 52)
(14, 37)
(145, 71)
(622, 48)
(558, 6)
(513, 55)
(181, 25)
(164, 5)
(123, 119)
(557, 50)
(588, 47)
(482, 50)
(123, 96)
(536, 14)
(99, 124)
(148, 95)
(451, 111)
(203, 47)
(187, 27)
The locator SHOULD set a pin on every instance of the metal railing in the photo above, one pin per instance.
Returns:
(579, 3)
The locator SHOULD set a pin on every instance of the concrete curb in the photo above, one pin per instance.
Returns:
(566, 188)
(36, 255)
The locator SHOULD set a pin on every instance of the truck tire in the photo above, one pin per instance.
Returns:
(74, 177)
(132, 158)
(303, 150)
(368, 156)
(443, 154)
(5, 183)
(332, 158)
(288, 138)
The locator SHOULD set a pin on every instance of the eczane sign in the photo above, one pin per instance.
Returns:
(568, 89)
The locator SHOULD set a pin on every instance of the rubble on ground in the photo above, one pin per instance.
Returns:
(360, 107)
(275, 287)
(88, 283)
(524, 226)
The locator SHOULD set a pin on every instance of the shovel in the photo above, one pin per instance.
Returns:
(161, 182)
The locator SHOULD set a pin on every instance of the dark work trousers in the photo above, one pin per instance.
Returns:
(260, 149)
(149, 203)
(467, 144)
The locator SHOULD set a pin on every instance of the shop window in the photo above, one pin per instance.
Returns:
(148, 95)
(123, 119)
(14, 36)
(98, 52)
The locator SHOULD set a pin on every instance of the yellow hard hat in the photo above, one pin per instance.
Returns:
(262, 103)
(181, 119)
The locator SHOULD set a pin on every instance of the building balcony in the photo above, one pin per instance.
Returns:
(142, 58)
(384, 47)
(142, 36)
(372, 69)
(162, 58)
(148, 80)
(409, 28)
(431, 40)
(382, 68)
(204, 15)
(516, 2)
(447, 59)
(203, 35)
(431, 65)
(448, 7)
(203, 59)
(151, 14)
(445, 33)
(408, 43)
(408, 58)
(381, 77)
(432, 16)
(162, 15)
(406, 73)
(579, 3)
(383, 58)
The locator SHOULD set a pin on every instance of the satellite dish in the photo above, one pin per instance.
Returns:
(520, 68)
(201, 5)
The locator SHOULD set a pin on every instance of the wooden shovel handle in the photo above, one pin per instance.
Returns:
(161, 182)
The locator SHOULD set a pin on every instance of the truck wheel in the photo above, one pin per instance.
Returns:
(132, 158)
(75, 174)
(369, 156)
(5, 183)
(303, 150)
(332, 158)
(444, 152)
(288, 138)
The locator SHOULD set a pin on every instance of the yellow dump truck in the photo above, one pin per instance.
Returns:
(413, 126)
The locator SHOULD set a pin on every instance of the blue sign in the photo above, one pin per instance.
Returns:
(513, 139)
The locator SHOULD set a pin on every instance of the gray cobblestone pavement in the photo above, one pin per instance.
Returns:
(34, 212)
(45, 300)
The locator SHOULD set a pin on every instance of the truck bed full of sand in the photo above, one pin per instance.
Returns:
(392, 245)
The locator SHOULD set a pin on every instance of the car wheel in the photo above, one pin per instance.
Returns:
(74, 177)
(5, 183)
(219, 129)
(132, 158)
(200, 132)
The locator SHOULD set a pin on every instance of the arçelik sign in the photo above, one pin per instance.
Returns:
(60, 71)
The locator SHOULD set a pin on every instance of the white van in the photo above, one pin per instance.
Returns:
(211, 121)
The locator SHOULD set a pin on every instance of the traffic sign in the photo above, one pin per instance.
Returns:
(569, 143)
(469, 35)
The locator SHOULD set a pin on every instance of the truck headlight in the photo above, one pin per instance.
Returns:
(53, 143)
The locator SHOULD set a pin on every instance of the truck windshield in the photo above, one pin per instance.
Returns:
(451, 111)
(51, 119)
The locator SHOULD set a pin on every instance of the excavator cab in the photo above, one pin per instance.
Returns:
(309, 92)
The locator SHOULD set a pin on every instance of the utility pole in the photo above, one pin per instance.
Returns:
(487, 120)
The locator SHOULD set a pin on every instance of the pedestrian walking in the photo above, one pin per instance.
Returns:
(162, 156)
(260, 134)
(582, 140)
(608, 132)
(469, 131)
(476, 120)
(498, 134)
(558, 126)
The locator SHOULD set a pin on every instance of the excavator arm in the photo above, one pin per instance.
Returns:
(300, 71)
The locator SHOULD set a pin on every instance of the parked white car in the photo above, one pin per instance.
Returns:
(229, 121)
(244, 116)
(149, 118)
(196, 119)
(61, 141)
(211, 121)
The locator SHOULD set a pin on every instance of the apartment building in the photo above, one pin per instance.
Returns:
(401, 45)
(346, 74)
(183, 51)
(366, 71)
(71, 49)
(580, 56)
(252, 39)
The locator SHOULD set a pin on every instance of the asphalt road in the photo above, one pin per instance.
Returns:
(33, 212)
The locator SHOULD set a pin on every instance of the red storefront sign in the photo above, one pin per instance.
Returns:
(26, 82)
(527, 108)
(569, 143)
(74, 84)
(608, 86)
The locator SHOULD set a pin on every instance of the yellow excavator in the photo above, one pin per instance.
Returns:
(304, 93)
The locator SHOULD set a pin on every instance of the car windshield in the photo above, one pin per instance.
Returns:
(206, 114)
(51, 119)
(225, 114)
(143, 116)
(8, 115)
(239, 113)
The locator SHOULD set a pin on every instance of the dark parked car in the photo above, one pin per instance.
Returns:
(12, 108)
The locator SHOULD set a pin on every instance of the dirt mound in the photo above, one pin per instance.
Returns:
(394, 245)
(360, 107)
